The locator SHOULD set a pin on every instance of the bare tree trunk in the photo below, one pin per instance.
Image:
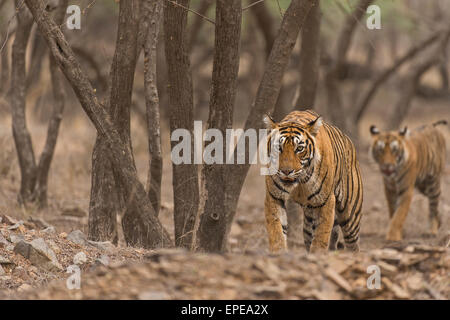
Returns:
(17, 103)
(264, 103)
(149, 232)
(309, 60)
(4, 73)
(152, 19)
(40, 192)
(185, 176)
(215, 184)
(107, 200)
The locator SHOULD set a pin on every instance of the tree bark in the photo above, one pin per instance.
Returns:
(149, 232)
(264, 103)
(215, 184)
(181, 109)
(17, 103)
(150, 24)
(309, 60)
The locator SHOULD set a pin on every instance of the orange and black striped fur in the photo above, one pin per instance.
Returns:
(407, 160)
(317, 168)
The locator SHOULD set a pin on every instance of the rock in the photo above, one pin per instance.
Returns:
(2, 272)
(103, 260)
(21, 273)
(8, 220)
(80, 258)
(78, 237)
(102, 245)
(49, 230)
(5, 261)
(16, 226)
(40, 223)
(14, 238)
(74, 212)
(39, 254)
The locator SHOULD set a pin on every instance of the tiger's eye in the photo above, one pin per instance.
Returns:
(300, 149)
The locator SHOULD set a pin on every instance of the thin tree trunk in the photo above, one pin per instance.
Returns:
(40, 192)
(17, 103)
(264, 103)
(309, 60)
(181, 109)
(152, 19)
(149, 232)
(213, 211)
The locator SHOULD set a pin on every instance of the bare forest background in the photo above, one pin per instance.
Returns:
(140, 69)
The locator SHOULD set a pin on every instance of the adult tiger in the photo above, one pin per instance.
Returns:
(407, 160)
(317, 168)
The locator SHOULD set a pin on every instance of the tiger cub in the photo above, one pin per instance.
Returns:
(407, 160)
(318, 169)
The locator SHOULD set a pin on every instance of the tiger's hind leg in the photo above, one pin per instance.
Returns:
(335, 244)
(308, 228)
(433, 191)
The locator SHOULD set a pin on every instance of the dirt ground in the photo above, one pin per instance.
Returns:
(69, 189)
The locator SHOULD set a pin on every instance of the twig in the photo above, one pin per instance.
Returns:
(252, 4)
(9, 23)
(193, 11)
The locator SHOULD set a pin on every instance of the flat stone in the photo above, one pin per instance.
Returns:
(49, 230)
(103, 260)
(39, 254)
(102, 245)
(78, 237)
(80, 258)
(14, 238)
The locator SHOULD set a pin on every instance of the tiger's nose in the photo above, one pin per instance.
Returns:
(287, 172)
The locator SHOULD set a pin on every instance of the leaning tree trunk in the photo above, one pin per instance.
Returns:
(264, 103)
(181, 106)
(215, 184)
(17, 102)
(149, 232)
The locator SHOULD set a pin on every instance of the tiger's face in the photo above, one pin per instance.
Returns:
(295, 146)
(389, 150)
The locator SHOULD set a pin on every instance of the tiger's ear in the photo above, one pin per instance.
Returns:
(374, 130)
(269, 122)
(314, 126)
(404, 132)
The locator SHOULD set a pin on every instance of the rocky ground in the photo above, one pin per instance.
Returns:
(35, 259)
